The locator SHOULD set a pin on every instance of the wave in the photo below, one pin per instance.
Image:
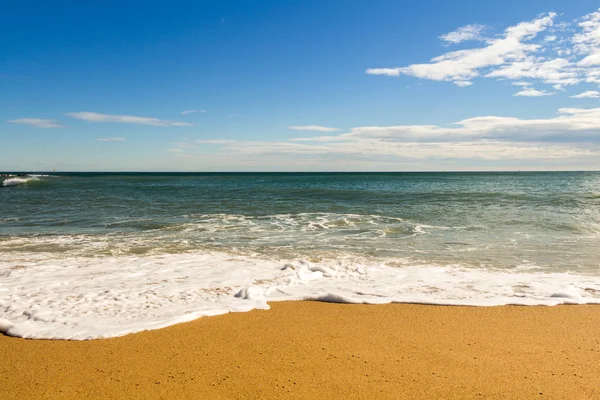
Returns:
(87, 298)
(29, 179)
(14, 181)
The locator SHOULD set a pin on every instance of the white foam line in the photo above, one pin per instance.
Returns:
(18, 181)
(87, 298)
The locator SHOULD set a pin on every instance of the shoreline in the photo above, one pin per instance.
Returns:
(304, 349)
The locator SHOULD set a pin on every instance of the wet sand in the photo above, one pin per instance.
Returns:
(325, 351)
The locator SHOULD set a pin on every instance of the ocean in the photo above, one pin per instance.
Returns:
(95, 255)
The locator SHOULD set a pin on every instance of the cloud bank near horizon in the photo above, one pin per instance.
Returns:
(572, 135)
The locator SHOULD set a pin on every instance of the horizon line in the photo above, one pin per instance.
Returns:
(285, 172)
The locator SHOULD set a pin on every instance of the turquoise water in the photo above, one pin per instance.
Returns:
(213, 243)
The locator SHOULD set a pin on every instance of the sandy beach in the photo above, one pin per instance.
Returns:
(323, 350)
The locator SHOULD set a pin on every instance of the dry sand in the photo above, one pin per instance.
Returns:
(325, 351)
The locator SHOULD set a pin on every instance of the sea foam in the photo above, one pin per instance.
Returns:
(19, 180)
(100, 297)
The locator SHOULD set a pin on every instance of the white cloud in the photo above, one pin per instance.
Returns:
(316, 128)
(588, 40)
(569, 54)
(384, 71)
(590, 94)
(591, 60)
(463, 83)
(554, 71)
(464, 33)
(193, 111)
(37, 122)
(531, 92)
(124, 119)
(464, 65)
(593, 76)
(175, 150)
(111, 139)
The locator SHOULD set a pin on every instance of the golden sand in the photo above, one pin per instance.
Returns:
(325, 351)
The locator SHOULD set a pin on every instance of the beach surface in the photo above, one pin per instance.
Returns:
(324, 350)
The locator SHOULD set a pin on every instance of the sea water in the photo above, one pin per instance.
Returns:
(94, 255)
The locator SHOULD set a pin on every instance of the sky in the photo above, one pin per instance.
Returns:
(299, 85)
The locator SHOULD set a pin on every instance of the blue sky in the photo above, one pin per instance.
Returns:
(299, 85)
